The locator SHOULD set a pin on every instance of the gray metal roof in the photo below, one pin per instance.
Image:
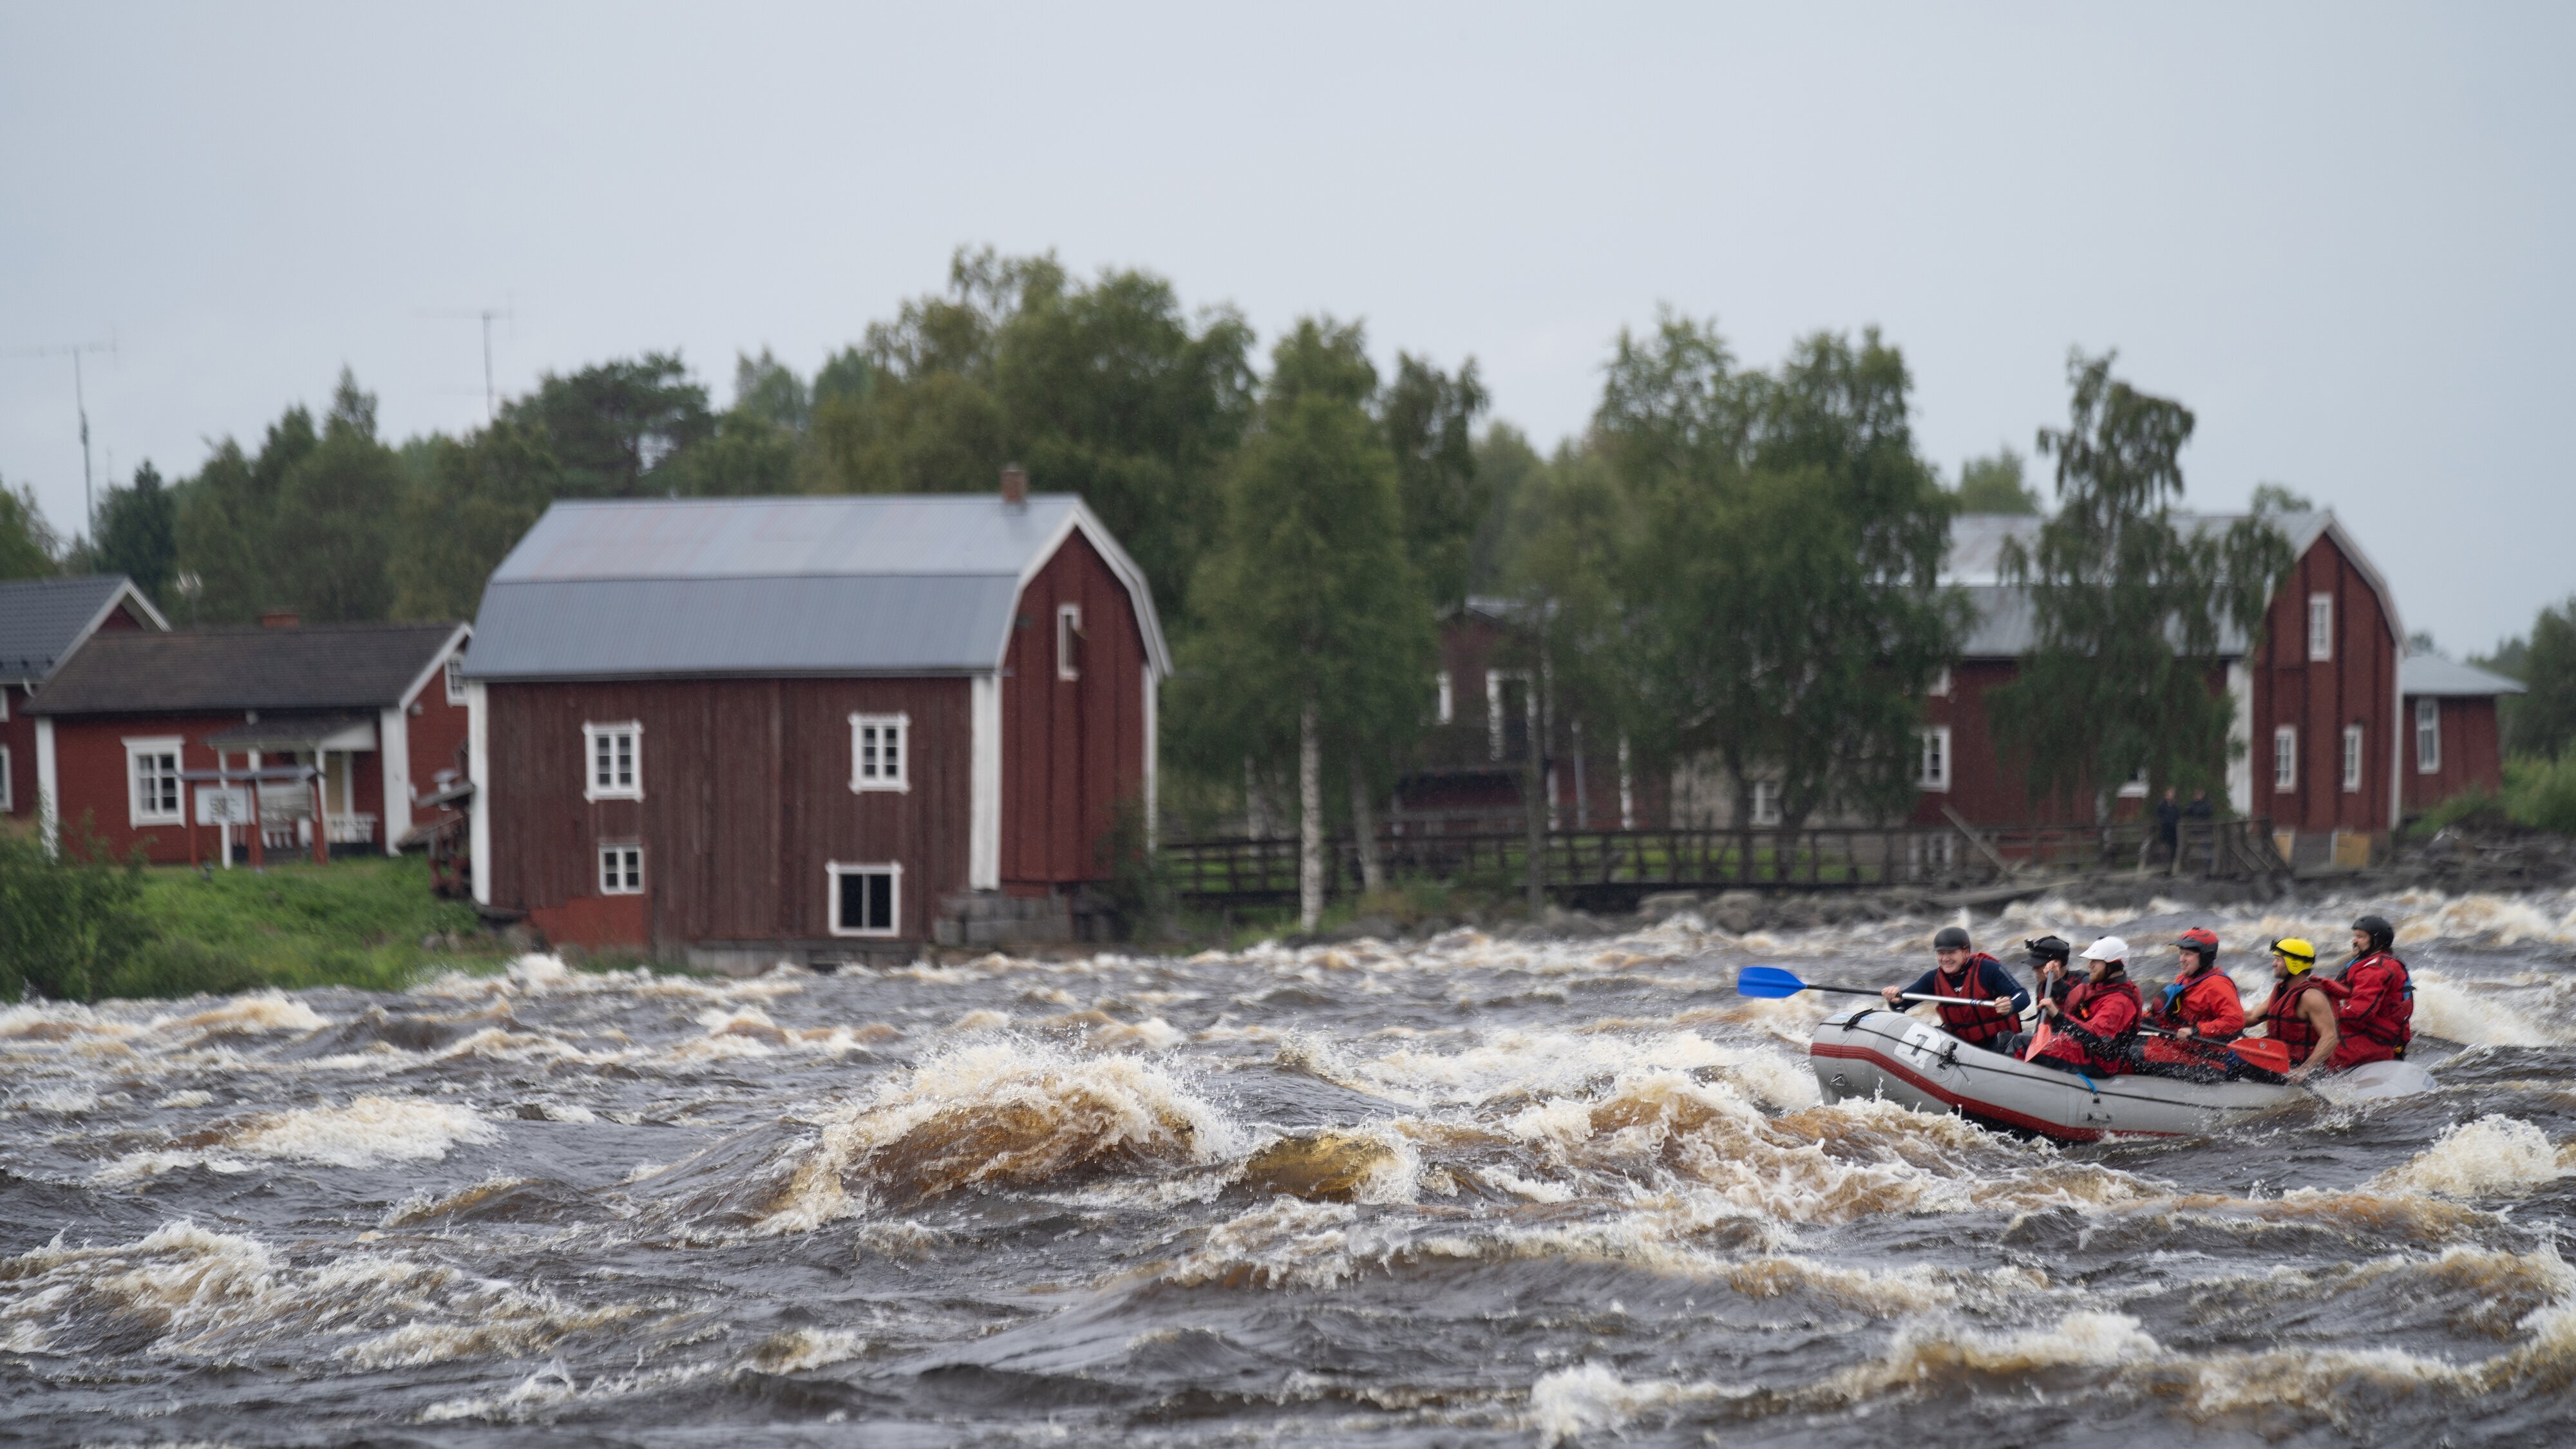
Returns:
(41, 620)
(882, 584)
(2431, 674)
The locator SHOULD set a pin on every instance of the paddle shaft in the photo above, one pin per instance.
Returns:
(1905, 995)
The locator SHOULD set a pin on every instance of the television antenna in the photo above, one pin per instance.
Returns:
(80, 402)
(487, 316)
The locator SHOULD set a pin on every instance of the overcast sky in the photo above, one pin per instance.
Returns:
(2327, 230)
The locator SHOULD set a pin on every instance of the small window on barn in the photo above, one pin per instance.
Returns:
(2320, 626)
(867, 900)
(1932, 764)
(1068, 641)
(880, 752)
(2285, 759)
(621, 870)
(1446, 700)
(614, 761)
(1766, 802)
(2352, 759)
(2428, 736)
(455, 679)
(152, 781)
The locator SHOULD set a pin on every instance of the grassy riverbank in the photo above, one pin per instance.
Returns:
(349, 923)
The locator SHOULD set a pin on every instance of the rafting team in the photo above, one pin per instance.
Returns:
(2097, 1022)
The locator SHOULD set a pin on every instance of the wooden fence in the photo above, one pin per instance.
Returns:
(1607, 867)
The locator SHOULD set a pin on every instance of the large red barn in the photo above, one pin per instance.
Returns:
(762, 727)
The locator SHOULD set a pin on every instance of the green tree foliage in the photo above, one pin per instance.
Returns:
(2130, 605)
(2273, 499)
(1318, 637)
(1505, 465)
(613, 427)
(1430, 420)
(2544, 720)
(1996, 485)
(138, 534)
(27, 545)
(469, 502)
(330, 541)
(67, 920)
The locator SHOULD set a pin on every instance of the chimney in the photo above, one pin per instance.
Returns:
(278, 619)
(1015, 486)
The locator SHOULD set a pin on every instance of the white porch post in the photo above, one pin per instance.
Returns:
(393, 742)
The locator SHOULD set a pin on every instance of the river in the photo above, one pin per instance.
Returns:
(1464, 1191)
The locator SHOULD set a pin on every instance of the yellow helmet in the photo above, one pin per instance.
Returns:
(2296, 954)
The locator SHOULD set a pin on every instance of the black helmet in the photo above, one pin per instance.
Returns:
(2048, 948)
(2382, 935)
(1950, 938)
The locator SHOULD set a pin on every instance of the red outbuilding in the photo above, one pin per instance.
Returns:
(751, 728)
(42, 622)
(327, 736)
(2454, 744)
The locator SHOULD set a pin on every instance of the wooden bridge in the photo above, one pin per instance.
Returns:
(1613, 869)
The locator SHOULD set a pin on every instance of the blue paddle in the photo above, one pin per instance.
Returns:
(1770, 982)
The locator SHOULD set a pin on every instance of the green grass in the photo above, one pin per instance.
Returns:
(350, 923)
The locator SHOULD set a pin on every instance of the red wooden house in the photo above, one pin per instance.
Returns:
(42, 623)
(2453, 743)
(325, 736)
(765, 727)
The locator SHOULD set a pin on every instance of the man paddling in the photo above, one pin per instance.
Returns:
(2047, 957)
(2202, 1002)
(2098, 1027)
(2377, 1014)
(2301, 1012)
(1993, 1002)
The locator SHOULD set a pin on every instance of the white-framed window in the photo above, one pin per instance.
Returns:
(1766, 802)
(1932, 764)
(2428, 736)
(4, 704)
(2352, 759)
(455, 679)
(613, 761)
(153, 792)
(1941, 683)
(2136, 786)
(8, 797)
(2320, 626)
(621, 870)
(2285, 759)
(867, 900)
(880, 752)
(1448, 698)
(1068, 641)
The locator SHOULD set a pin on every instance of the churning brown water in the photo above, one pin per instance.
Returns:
(1464, 1192)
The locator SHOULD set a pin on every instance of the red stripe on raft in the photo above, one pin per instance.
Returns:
(1968, 1104)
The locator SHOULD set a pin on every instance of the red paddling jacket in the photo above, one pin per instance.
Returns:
(2098, 1022)
(2377, 1013)
(2208, 1005)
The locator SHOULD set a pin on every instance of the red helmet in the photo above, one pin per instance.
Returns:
(2201, 939)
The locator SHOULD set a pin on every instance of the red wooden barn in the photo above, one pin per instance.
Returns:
(2453, 745)
(764, 727)
(328, 734)
(42, 622)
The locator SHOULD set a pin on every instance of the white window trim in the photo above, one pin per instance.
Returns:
(8, 791)
(2136, 786)
(1448, 698)
(2285, 760)
(832, 899)
(1766, 802)
(4, 704)
(591, 789)
(1941, 683)
(170, 745)
(1068, 627)
(1937, 736)
(1496, 681)
(611, 879)
(2352, 759)
(2320, 628)
(901, 724)
(2428, 737)
(454, 673)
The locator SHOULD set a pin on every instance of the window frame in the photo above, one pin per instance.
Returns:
(2285, 759)
(8, 783)
(1932, 749)
(628, 861)
(2428, 736)
(1766, 802)
(1940, 688)
(1068, 628)
(839, 870)
(1447, 702)
(901, 781)
(140, 745)
(2320, 628)
(2353, 761)
(454, 671)
(592, 732)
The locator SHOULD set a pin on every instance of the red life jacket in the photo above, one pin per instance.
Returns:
(2281, 1014)
(2389, 1018)
(1975, 1025)
(2095, 1006)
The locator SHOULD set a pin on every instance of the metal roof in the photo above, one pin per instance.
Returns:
(879, 584)
(313, 667)
(42, 620)
(2431, 674)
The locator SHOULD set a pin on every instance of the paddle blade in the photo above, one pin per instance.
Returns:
(1767, 981)
(2259, 1051)
(2038, 1040)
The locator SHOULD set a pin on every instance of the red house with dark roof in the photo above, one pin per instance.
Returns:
(327, 736)
(754, 728)
(2454, 745)
(42, 623)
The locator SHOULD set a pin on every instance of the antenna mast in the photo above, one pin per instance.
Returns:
(80, 403)
(485, 315)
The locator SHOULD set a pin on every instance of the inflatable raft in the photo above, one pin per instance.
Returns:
(1871, 1051)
